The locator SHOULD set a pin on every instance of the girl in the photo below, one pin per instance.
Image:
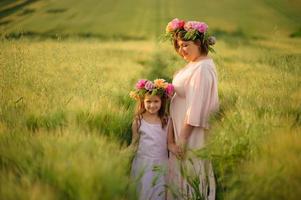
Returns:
(149, 133)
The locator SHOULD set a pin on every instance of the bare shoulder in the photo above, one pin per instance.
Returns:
(136, 123)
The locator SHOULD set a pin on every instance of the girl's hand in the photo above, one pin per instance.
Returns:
(176, 150)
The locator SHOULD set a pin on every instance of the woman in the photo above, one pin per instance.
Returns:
(196, 97)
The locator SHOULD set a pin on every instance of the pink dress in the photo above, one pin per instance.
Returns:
(196, 97)
(149, 167)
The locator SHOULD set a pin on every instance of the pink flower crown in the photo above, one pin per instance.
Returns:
(159, 87)
(191, 29)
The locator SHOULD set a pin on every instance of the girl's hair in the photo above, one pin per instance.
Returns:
(140, 109)
(199, 40)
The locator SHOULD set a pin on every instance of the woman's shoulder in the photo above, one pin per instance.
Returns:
(204, 69)
(205, 62)
(205, 65)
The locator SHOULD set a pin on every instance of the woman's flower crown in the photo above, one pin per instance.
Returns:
(191, 29)
(159, 87)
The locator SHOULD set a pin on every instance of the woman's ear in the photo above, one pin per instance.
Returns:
(199, 44)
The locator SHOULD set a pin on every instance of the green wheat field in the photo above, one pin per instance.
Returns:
(66, 68)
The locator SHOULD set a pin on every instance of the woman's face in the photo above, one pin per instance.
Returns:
(189, 50)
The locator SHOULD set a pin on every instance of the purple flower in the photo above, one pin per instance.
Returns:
(141, 83)
(149, 86)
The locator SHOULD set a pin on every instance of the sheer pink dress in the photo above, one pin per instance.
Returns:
(196, 97)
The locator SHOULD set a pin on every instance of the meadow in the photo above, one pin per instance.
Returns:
(66, 72)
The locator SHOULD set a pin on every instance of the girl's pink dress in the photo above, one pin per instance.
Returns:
(196, 97)
(149, 167)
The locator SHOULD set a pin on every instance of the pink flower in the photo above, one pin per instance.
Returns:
(190, 25)
(175, 24)
(149, 86)
(141, 83)
(194, 25)
(169, 89)
(202, 27)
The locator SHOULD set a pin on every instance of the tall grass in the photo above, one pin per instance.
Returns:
(273, 173)
(45, 83)
(260, 97)
(65, 116)
(58, 102)
(67, 165)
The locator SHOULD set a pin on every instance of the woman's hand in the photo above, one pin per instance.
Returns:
(176, 150)
(171, 144)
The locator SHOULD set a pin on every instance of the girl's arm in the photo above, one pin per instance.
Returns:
(170, 135)
(135, 134)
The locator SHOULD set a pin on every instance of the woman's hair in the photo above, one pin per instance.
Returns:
(199, 41)
(140, 109)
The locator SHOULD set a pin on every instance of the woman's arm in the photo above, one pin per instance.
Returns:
(184, 135)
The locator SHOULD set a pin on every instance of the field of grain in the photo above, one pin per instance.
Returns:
(65, 114)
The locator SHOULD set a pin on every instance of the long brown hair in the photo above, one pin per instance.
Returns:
(140, 109)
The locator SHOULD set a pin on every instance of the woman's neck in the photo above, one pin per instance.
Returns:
(200, 57)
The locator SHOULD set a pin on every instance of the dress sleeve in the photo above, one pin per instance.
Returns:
(199, 96)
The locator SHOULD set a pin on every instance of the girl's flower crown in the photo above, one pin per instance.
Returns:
(159, 87)
(191, 29)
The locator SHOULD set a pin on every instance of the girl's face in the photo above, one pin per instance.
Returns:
(189, 50)
(152, 103)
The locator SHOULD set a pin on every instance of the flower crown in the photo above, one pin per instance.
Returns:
(159, 87)
(191, 29)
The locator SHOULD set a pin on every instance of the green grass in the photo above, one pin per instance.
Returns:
(65, 113)
(58, 92)
(66, 165)
(58, 101)
(273, 174)
(260, 96)
(145, 19)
